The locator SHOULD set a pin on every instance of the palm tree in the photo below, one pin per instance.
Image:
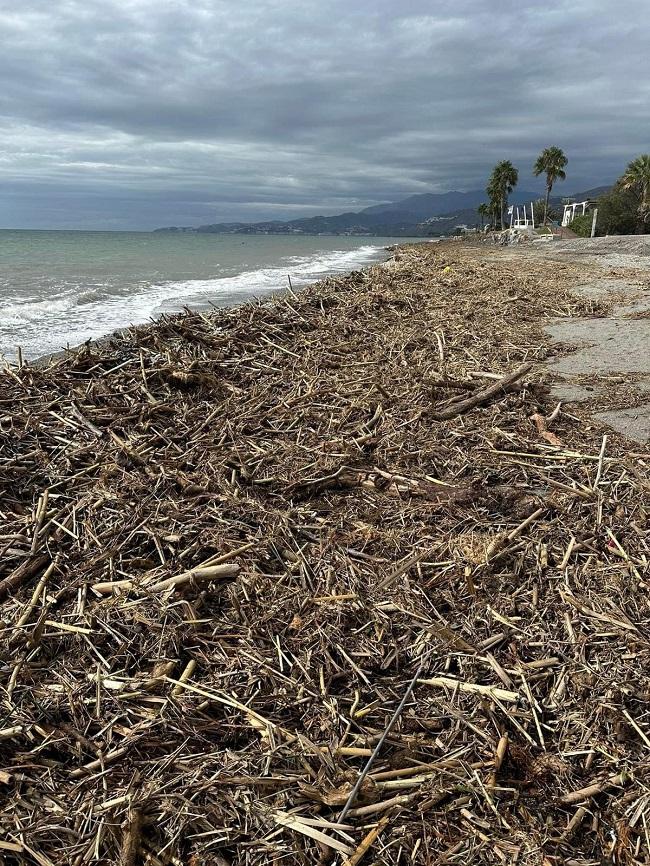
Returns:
(495, 208)
(637, 179)
(552, 163)
(493, 195)
(502, 181)
(484, 212)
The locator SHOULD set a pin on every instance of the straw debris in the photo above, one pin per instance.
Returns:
(230, 540)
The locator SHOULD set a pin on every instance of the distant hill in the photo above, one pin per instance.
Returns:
(421, 207)
(596, 192)
(421, 215)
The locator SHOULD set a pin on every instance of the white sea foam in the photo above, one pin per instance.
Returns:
(233, 289)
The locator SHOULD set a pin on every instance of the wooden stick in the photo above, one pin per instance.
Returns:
(40, 516)
(593, 790)
(502, 540)
(35, 596)
(108, 758)
(212, 572)
(499, 756)
(367, 842)
(573, 824)
(473, 688)
(131, 839)
(381, 806)
(402, 569)
(21, 574)
(184, 677)
(483, 396)
(601, 458)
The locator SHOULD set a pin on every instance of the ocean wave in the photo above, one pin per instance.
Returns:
(99, 293)
(31, 310)
(254, 283)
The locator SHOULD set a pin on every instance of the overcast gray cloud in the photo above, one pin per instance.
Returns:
(134, 113)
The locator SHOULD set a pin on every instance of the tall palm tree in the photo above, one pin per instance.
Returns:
(502, 181)
(483, 210)
(637, 179)
(552, 163)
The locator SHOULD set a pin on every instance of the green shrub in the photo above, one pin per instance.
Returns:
(617, 213)
(581, 225)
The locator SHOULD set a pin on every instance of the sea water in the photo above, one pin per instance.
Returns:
(61, 288)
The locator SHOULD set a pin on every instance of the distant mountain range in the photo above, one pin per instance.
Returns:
(425, 215)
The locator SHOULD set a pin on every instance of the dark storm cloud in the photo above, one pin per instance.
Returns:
(134, 113)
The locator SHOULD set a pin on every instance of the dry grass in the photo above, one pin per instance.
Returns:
(331, 536)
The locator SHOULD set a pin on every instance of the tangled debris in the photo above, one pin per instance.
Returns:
(230, 541)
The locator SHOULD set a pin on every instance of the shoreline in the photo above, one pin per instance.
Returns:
(87, 307)
(210, 308)
(230, 540)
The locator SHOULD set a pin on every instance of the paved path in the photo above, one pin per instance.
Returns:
(611, 363)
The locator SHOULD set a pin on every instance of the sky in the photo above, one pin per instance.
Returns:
(132, 114)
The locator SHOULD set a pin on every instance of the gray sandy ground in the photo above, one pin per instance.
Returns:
(612, 351)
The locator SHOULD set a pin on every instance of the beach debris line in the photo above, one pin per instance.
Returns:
(259, 566)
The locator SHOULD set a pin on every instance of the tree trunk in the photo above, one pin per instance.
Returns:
(502, 209)
(548, 193)
(640, 220)
(644, 207)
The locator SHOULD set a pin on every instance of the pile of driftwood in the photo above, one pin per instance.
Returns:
(324, 579)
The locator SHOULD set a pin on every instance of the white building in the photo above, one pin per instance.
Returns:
(571, 211)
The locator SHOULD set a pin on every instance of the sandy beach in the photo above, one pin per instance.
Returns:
(233, 542)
